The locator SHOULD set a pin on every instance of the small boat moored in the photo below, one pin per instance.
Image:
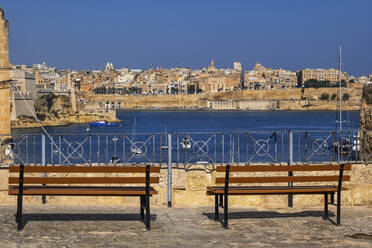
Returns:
(102, 124)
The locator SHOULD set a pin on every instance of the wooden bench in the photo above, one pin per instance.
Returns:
(236, 178)
(52, 181)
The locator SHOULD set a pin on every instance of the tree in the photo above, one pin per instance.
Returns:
(313, 83)
(345, 97)
(324, 97)
(191, 89)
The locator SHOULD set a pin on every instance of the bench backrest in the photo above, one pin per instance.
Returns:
(58, 175)
(273, 174)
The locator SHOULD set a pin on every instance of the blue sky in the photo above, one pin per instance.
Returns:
(85, 34)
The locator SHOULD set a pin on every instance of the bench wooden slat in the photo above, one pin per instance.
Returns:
(273, 190)
(273, 168)
(75, 191)
(82, 180)
(283, 179)
(84, 169)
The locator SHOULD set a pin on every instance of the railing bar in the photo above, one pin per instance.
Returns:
(153, 148)
(27, 150)
(60, 149)
(223, 148)
(230, 148)
(178, 149)
(114, 159)
(215, 148)
(51, 149)
(299, 146)
(160, 150)
(106, 149)
(34, 138)
(246, 144)
(238, 148)
(275, 147)
(123, 155)
(90, 150)
(98, 149)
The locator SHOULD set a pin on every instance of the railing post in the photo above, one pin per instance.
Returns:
(169, 170)
(290, 162)
(43, 161)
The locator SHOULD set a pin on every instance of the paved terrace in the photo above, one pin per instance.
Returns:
(48, 226)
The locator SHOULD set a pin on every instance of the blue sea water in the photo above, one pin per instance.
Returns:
(214, 137)
(203, 121)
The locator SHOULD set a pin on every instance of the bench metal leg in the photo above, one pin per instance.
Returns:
(339, 208)
(325, 216)
(216, 207)
(333, 198)
(142, 212)
(225, 212)
(19, 212)
(147, 213)
(20, 199)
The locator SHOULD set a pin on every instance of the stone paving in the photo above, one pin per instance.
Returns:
(50, 226)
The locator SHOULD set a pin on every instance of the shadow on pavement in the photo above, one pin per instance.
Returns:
(269, 214)
(83, 217)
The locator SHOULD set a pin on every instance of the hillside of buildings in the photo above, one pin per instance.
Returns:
(85, 96)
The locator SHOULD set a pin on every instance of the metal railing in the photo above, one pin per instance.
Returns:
(187, 148)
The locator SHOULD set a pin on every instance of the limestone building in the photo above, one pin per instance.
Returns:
(331, 75)
(4, 75)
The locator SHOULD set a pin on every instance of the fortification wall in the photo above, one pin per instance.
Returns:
(279, 99)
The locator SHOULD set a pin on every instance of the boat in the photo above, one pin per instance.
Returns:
(102, 124)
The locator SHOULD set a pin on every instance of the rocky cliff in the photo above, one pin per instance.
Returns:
(54, 110)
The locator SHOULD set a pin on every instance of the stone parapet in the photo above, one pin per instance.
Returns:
(189, 190)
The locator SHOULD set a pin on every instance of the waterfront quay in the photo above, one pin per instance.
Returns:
(104, 226)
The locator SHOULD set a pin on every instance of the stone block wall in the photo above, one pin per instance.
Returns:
(4, 75)
(189, 190)
(366, 123)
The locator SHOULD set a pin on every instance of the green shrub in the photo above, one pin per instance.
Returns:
(345, 97)
(324, 97)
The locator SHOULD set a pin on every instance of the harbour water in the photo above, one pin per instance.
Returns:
(203, 121)
(196, 137)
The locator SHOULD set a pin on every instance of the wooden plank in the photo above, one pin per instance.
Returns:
(82, 180)
(84, 169)
(283, 179)
(68, 190)
(274, 168)
(269, 191)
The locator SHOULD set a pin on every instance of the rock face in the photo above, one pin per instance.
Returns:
(51, 105)
(366, 123)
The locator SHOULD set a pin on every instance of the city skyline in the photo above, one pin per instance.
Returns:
(79, 36)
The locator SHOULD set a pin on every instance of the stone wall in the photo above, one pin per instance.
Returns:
(4, 47)
(4, 75)
(366, 122)
(279, 99)
(189, 189)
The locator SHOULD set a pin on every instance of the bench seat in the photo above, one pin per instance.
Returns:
(322, 179)
(269, 190)
(82, 190)
(129, 181)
